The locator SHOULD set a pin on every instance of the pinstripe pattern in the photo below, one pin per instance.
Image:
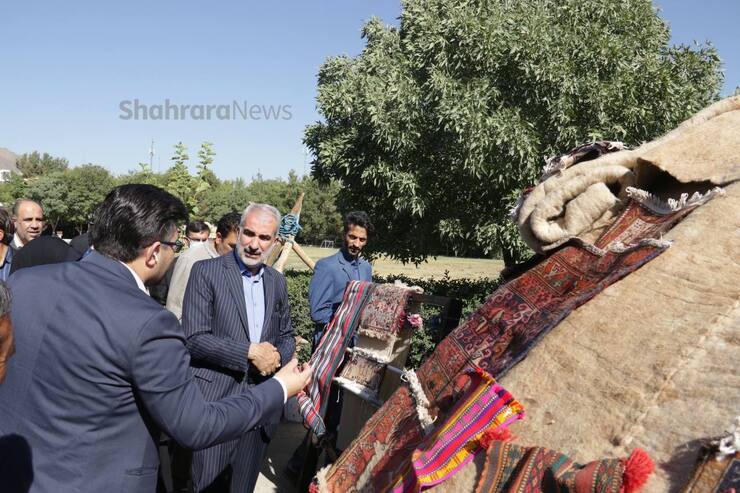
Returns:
(214, 318)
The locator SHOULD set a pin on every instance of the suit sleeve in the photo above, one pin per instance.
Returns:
(320, 293)
(286, 339)
(162, 378)
(197, 320)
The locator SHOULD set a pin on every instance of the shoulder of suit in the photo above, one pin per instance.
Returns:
(331, 259)
(277, 274)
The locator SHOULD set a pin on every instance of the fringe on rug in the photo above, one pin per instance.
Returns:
(422, 403)
(377, 356)
(359, 389)
(663, 207)
(321, 484)
(616, 247)
(730, 444)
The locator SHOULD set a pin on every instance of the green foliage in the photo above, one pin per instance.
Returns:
(36, 164)
(13, 189)
(178, 181)
(436, 126)
(472, 292)
(87, 187)
(52, 191)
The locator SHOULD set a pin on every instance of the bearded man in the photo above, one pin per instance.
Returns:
(237, 322)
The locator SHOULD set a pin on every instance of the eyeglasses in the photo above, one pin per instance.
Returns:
(175, 245)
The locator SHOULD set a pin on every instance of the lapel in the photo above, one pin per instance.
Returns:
(268, 283)
(235, 286)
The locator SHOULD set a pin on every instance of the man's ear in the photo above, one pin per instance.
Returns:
(218, 238)
(152, 254)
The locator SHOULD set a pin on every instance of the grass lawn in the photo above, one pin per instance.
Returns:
(458, 267)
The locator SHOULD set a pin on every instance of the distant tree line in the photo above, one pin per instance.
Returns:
(70, 195)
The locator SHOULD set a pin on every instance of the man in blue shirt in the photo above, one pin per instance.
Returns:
(325, 292)
(236, 318)
(332, 274)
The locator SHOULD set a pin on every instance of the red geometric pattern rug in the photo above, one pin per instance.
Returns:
(498, 335)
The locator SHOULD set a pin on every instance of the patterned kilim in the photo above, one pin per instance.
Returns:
(376, 307)
(512, 468)
(485, 406)
(385, 315)
(497, 336)
(330, 353)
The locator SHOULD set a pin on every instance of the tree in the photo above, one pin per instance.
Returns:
(178, 180)
(88, 185)
(436, 126)
(52, 191)
(35, 164)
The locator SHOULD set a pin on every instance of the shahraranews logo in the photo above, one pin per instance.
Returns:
(237, 110)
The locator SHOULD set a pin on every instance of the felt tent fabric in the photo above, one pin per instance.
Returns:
(651, 361)
(570, 203)
(497, 336)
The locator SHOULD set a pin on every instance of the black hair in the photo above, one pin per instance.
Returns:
(197, 227)
(7, 225)
(358, 218)
(229, 222)
(133, 217)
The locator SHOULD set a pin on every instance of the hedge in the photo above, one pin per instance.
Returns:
(472, 292)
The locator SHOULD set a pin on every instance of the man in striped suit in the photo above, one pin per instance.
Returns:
(237, 322)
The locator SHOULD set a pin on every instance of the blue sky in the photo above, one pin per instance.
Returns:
(66, 66)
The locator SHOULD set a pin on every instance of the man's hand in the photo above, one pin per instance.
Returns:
(265, 357)
(294, 377)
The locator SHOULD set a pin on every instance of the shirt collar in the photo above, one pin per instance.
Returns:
(349, 258)
(138, 280)
(17, 241)
(245, 271)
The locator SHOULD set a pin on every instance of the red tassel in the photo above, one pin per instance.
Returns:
(313, 488)
(494, 435)
(637, 469)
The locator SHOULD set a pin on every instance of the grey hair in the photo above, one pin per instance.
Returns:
(4, 299)
(267, 208)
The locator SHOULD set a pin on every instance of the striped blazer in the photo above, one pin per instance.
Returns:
(214, 318)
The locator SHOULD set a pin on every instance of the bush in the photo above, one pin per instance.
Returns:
(472, 292)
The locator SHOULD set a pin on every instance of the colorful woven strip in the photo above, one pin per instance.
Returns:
(485, 406)
(512, 468)
(330, 353)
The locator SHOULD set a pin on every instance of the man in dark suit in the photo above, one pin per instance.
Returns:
(101, 368)
(237, 322)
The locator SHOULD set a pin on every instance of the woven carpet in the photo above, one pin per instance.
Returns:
(498, 335)
(375, 308)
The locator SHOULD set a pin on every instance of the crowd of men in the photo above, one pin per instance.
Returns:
(103, 373)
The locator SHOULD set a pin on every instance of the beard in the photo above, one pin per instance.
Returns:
(254, 262)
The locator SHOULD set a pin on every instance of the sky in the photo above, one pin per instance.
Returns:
(70, 73)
